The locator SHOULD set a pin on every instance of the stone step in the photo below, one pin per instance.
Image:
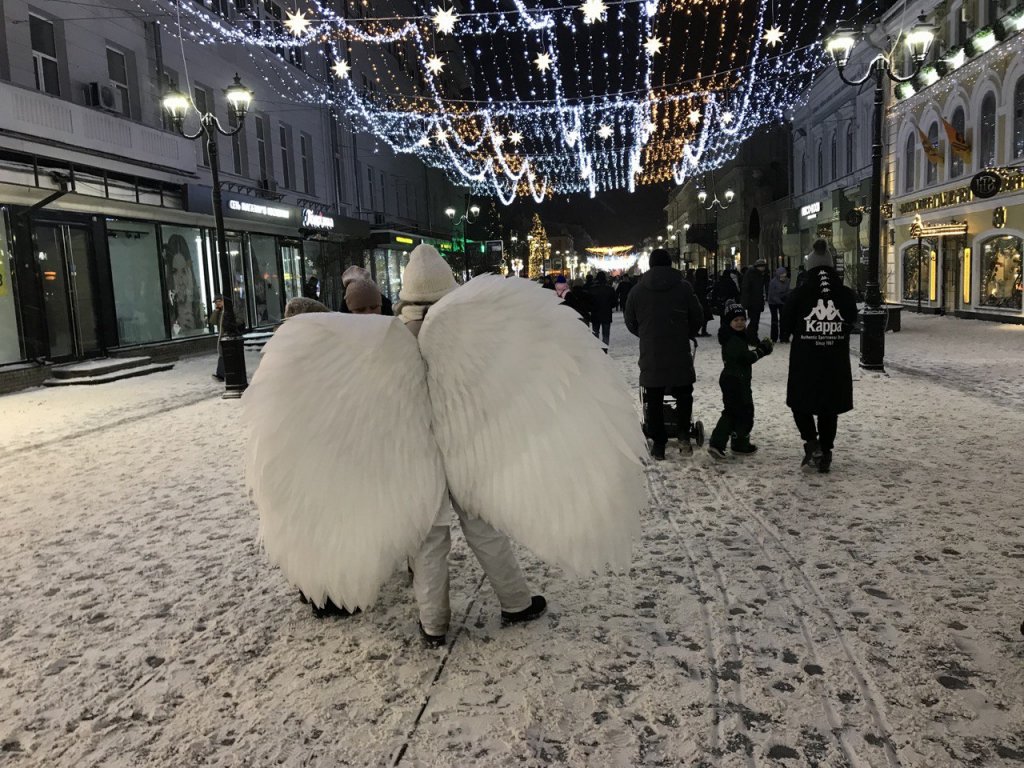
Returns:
(108, 375)
(99, 367)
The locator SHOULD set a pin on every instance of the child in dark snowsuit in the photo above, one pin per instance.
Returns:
(737, 417)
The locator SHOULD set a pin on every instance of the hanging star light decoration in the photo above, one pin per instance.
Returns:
(444, 20)
(342, 69)
(593, 10)
(653, 46)
(435, 65)
(297, 23)
(773, 36)
(672, 117)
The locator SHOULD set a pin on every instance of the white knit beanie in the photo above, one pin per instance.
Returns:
(428, 276)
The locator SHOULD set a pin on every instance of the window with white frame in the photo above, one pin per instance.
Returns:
(821, 167)
(263, 150)
(117, 71)
(286, 156)
(851, 148)
(987, 132)
(956, 161)
(932, 168)
(44, 55)
(1001, 272)
(909, 166)
(306, 153)
(835, 157)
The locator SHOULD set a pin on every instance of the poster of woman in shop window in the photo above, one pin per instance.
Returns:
(183, 294)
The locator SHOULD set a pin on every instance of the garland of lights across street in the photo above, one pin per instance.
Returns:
(514, 99)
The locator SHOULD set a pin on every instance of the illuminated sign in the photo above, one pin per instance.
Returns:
(917, 229)
(314, 220)
(258, 209)
(811, 210)
(404, 240)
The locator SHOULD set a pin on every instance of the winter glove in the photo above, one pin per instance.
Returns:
(764, 348)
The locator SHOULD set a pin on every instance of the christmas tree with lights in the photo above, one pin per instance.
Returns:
(540, 248)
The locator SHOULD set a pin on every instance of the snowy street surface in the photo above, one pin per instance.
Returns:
(867, 618)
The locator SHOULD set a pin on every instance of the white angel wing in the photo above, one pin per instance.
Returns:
(538, 429)
(340, 459)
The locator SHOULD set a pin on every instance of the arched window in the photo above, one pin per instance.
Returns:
(851, 144)
(932, 169)
(956, 162)
(987, 132)
(834, 158)
(821, 167)
(1018, 119)
(1000, 272)
(909, 164)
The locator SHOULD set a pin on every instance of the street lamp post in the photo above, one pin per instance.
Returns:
(462, 222)
(177, 104)
(716, 205)
(839, 46)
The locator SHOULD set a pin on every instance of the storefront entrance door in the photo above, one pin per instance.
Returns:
(66, 264)
(952, 253)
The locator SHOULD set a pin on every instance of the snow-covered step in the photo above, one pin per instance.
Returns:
(257, 340)
(103, 370)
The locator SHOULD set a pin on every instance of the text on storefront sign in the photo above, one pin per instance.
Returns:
(258, 209)
(811, 210)
(315, 220)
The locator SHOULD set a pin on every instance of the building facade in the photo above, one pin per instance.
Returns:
(106, 238)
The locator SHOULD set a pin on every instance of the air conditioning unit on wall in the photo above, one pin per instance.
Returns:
(104, 97)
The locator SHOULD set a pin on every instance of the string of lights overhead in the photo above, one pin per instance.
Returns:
(514, 99)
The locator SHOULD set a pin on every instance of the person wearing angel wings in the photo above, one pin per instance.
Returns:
(364, 432)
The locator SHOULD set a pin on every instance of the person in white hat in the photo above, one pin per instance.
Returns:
(427, 279)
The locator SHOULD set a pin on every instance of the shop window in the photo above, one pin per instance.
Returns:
(10, 343)
(291, 261)
(135, 269)
(1018, 120)
(266, 280)
(909, 166)
(917, 272)
(44, 55)
(932, 169)
(956, 162)
(987, 132)
(1001, 272)
(188, 300)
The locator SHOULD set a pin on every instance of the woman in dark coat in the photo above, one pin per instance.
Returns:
(819, 316)
(701, 285)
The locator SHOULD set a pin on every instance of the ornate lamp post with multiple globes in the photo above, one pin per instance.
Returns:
(178, 106)
(839, 46)
(461, 222)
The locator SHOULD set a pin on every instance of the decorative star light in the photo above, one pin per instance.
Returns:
(605, 131)
(435, 65)
(543, 61)
(444, 20)
(727, 117)
(341, 69)
(423, 142)
(652, 126)
(499, 139)
(694, 117)
(593, 10)
(441, 135)
(515, 137)
(653, 46)
(297, 23)
(773, 36)
(572, 137)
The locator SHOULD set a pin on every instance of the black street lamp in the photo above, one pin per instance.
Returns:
(716, 205)
(463, 221)
(839, 46)
(178, 105)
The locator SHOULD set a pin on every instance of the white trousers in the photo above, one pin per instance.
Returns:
(492, 549)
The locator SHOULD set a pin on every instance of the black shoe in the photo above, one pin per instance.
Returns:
(812, 454)
(743, 447)
(330, 610)
(216, 376)
(825, 462)
(718, 453)
(537, 607)
(658, 452)
(432, 641)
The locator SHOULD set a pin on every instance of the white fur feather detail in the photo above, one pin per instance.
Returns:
(340, 458)
(537, 428)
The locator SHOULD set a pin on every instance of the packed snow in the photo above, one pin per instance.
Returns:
(869, 617)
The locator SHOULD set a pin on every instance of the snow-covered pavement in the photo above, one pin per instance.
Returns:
(864, 618)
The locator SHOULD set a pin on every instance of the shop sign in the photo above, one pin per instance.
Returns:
(986, 184)
(404, 240)
(313, 220)
(918, 229)
(260, 209)
(938, 200)
(810, 211)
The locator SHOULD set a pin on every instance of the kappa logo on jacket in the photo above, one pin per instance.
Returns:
(824, 320)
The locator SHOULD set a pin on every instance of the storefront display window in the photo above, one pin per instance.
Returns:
(397, 262)
(10, 347)
(917, 272)
(1001, 272)
(188, 299)
(266, 280)
(135, 269)
(291, 260)
(380, 274)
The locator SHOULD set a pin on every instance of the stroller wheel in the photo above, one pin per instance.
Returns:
(697, 433)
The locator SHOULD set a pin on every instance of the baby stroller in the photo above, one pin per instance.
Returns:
(671, 411)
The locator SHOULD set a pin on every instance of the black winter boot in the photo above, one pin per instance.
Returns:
(536, 609)
(812, 454)
(825, 462)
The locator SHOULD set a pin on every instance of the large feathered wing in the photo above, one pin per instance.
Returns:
(340, 458)
(538, 430)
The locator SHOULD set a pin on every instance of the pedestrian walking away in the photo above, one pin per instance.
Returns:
(752, 296)
(778, 292)
(702, 287)
(215, 321)
(819, 316)
(737, 419)
(602, 305)
(663, 311)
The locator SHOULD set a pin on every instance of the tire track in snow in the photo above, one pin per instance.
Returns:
(856, 666)
(718, 741)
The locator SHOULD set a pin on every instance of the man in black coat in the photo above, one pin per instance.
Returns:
(820, 315)
(602, 304)
(622, 291)
(664, 312)
(752, 293)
